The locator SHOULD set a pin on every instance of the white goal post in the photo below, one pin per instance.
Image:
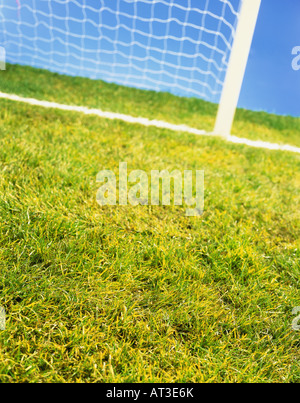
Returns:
(237, 66)
(193, 48)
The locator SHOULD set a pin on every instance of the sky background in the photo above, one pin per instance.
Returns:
(270, 83)
(102, 40)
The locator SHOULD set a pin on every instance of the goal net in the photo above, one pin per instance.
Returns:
(178, 46)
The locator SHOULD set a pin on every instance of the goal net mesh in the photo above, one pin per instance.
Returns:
(178, 46)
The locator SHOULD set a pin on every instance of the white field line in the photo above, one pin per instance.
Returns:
(146, 122)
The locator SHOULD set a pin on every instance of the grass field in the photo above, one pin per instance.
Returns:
(143, 294)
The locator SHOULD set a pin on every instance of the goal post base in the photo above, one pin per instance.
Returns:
(237, 66)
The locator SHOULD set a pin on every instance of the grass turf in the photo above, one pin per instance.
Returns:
(143, 294)
(36, 83)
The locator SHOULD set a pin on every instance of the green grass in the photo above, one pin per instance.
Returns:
(143, 294)
(30, 82)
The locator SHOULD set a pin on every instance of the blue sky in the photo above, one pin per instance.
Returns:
(96, 49)
(270, 83)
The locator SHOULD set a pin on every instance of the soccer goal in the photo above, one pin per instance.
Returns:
(194, 48)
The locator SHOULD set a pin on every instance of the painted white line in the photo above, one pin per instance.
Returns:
(263, 144)
(107, 115)
(146, 122)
